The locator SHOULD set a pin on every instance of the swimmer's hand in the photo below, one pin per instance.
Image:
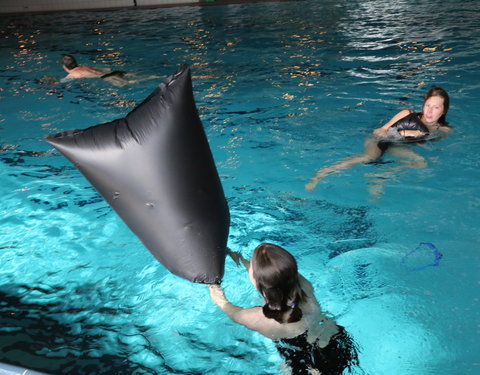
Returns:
(412, 133)
(217, 295)
(235, 255)
(380, 132)
(215, 289)
(311, 185)
(238, 258)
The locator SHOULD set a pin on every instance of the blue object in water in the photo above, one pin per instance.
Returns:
(427, 247)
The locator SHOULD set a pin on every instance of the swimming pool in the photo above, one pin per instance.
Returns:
(283, 89)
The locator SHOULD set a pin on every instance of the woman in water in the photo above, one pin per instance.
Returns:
(310, 342)
(405, 127)
(115, 77)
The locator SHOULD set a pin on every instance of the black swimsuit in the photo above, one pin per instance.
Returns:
(333, 359)
(115, 73)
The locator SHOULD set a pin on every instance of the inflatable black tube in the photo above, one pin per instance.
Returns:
(156, 170)
(409, 122)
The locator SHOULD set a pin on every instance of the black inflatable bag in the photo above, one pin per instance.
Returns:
(156, 170)
(409, 122)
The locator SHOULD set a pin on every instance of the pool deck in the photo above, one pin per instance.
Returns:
(46, 6)
(6, 369)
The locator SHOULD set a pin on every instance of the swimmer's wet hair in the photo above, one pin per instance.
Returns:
(69, 62)
(276, 276)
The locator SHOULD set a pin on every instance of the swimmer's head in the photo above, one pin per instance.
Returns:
(275, 274)
(441, 93)
(69, 62)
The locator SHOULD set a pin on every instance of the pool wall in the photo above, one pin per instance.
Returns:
(14, 370)
(25, 6)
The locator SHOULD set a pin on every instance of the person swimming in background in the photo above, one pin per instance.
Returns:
(405, 127)
(115, 77)
(308, 340)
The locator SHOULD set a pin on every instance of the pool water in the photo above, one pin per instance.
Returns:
(283, 88)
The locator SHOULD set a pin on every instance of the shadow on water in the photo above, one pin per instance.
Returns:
(35, 335)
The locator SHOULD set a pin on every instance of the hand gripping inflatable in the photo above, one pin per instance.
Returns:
(409, 122)
(156, 170)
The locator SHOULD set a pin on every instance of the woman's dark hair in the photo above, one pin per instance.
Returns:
(276, 275)
(438, 91)
(69, 62)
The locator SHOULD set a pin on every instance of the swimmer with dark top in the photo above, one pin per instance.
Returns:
(308, 340)
(115, 77)
(405, 126)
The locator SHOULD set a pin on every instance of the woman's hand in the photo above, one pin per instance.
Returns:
(238, 258)
(311, 185)
(380, 132)
(412, 133)
(217, 294)
(215, 289)
(235, 255)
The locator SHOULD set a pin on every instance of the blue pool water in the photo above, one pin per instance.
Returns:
(283, 88)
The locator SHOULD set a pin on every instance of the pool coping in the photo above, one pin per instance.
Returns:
(149, 6)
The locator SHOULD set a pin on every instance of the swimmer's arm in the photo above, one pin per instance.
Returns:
(382, 131)
(218, 297)
(446, 129)
(411, 133)
(237, 258)
(443, 132)
(238, 314)
(103, 70)
(67, 78)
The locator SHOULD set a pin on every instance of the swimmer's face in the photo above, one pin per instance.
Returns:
(432, 110)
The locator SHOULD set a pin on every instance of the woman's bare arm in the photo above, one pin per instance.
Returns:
(238, 258)
(382, 131)
(246, 317)
(253, 317)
